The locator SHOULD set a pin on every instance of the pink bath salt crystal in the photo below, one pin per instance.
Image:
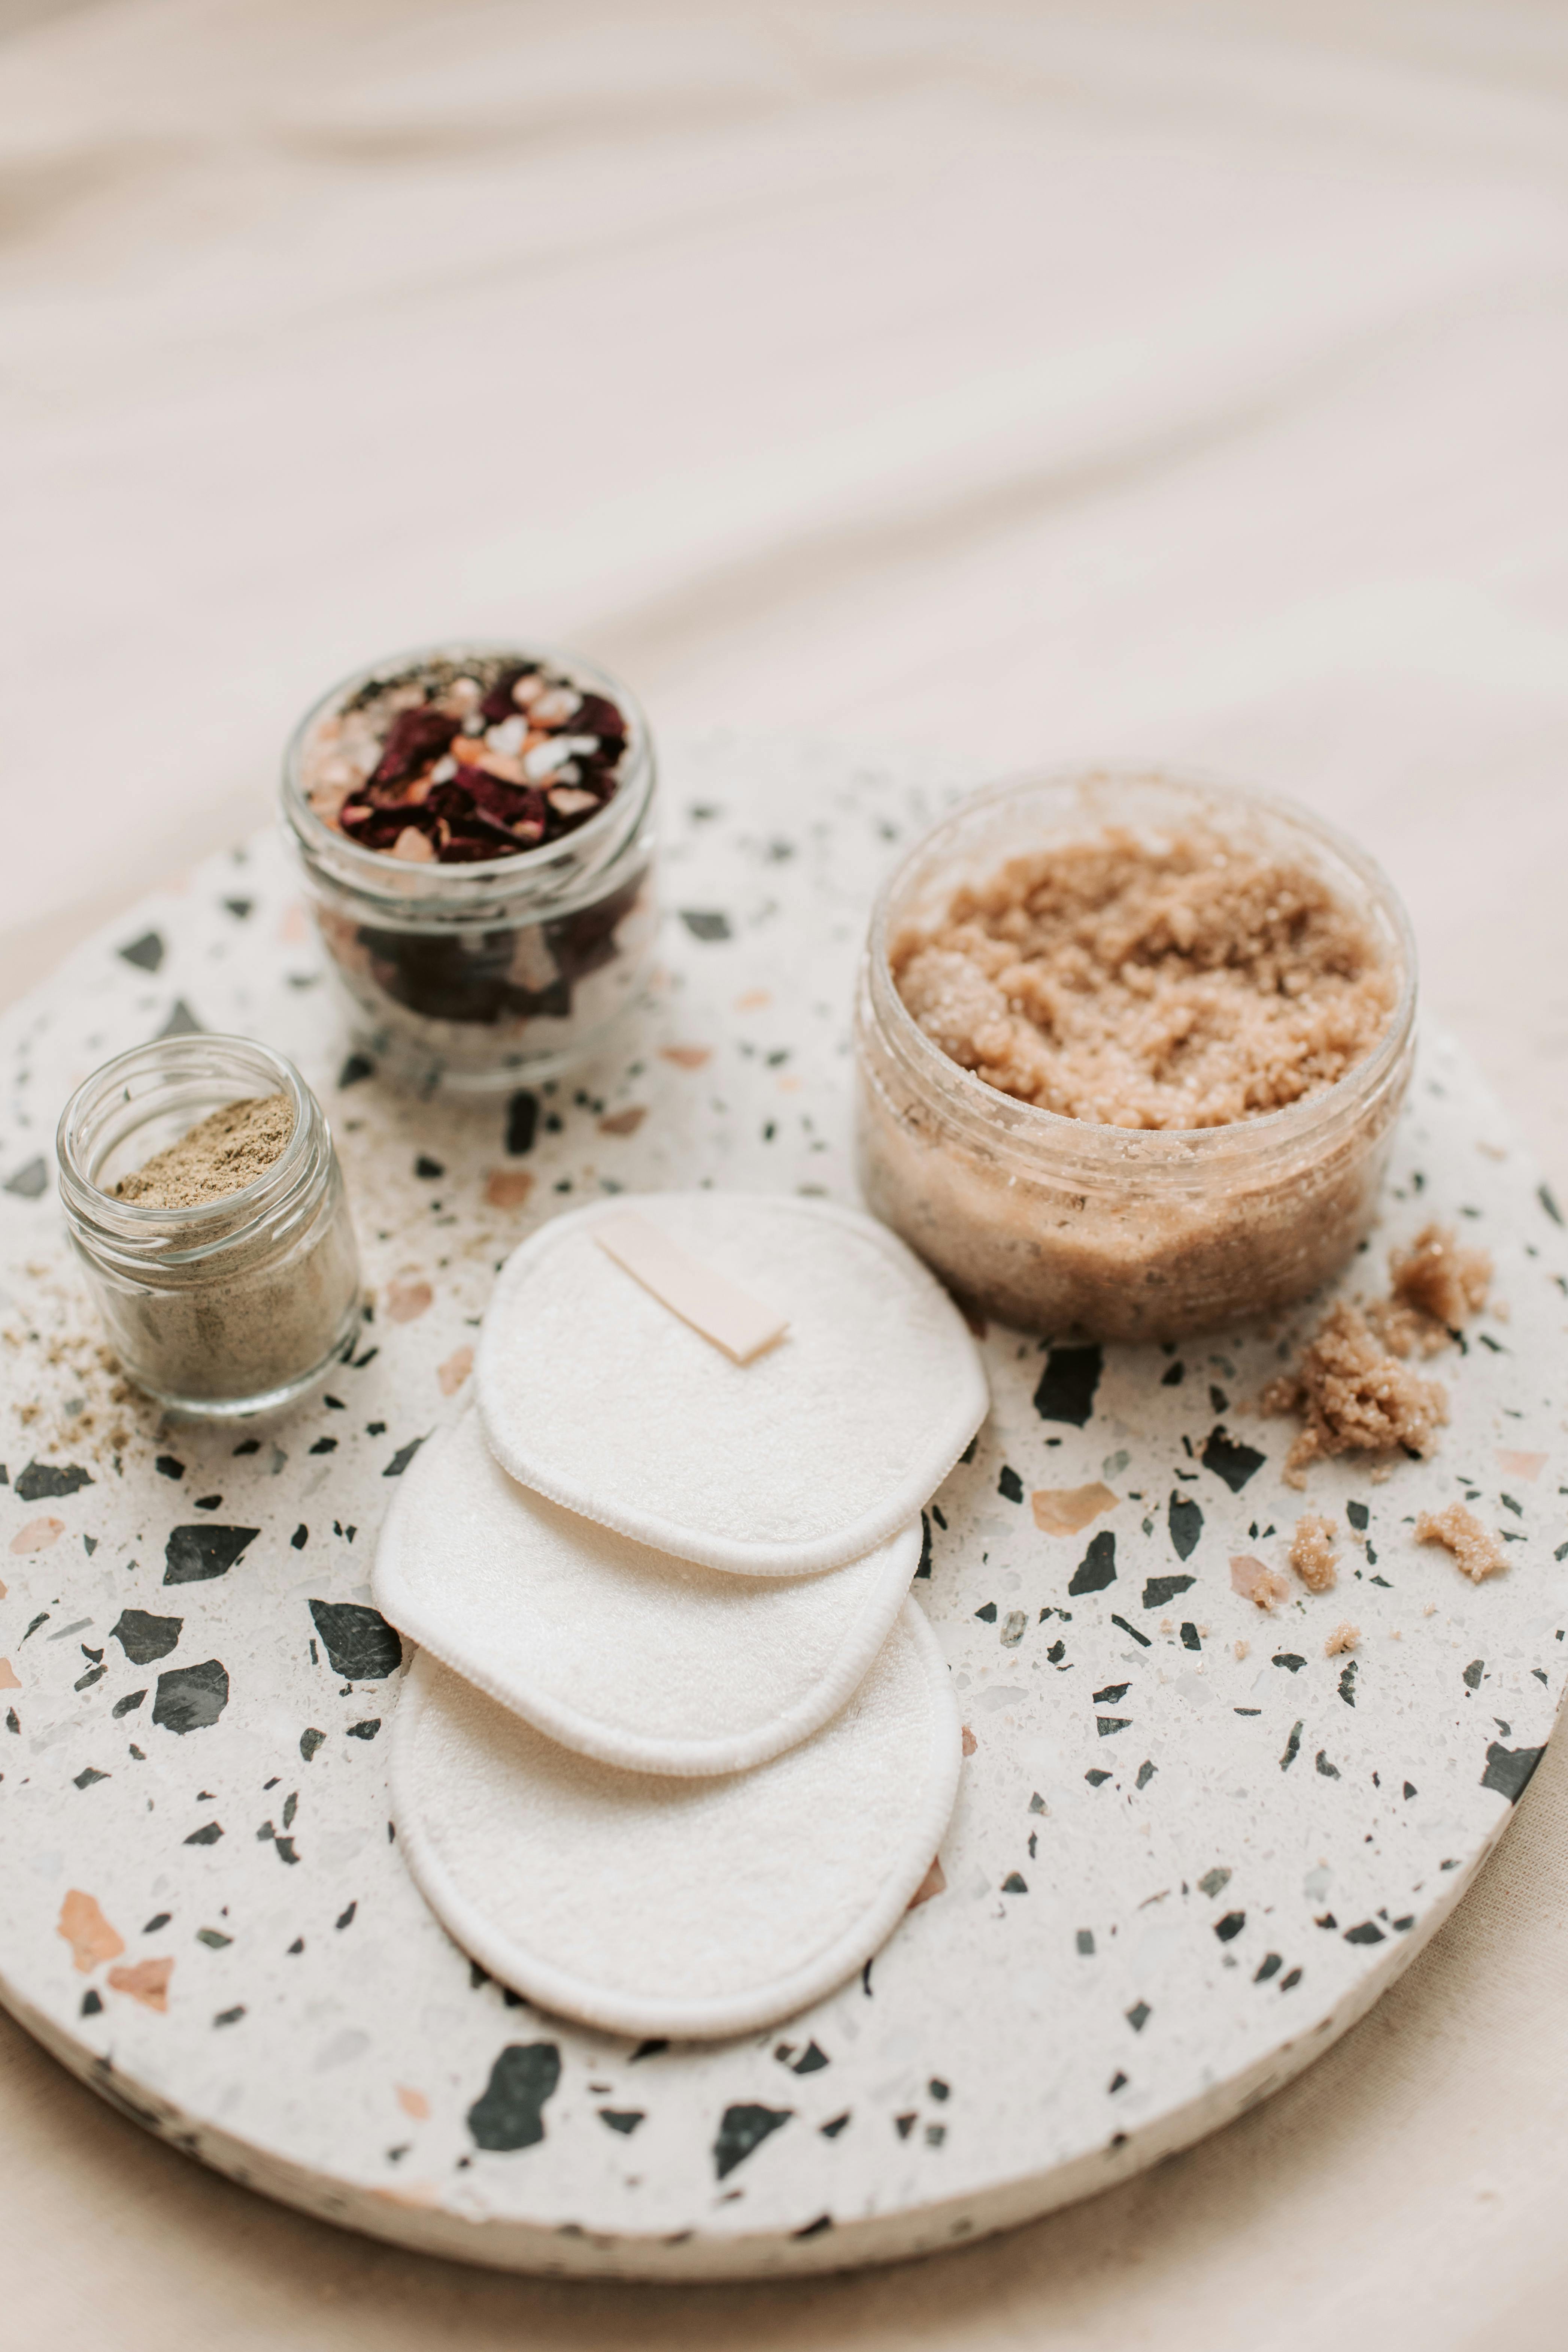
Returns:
(1256, 1582)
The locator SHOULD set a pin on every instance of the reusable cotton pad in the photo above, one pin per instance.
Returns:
(690, 1909)
(600, 1394)
(624, 1654)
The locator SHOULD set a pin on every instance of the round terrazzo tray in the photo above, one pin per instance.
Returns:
(1174, 1875)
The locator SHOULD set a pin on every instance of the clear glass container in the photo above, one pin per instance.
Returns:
(234, 1305)
(1064, 1227)
(474, 977)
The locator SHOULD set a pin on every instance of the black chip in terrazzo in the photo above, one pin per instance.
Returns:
(1009, 1486)
(1185, 1519)
(1290, 1661)
(1292, 1747)
(1066, 1386)
(704, 924)
(401, 1458)
(146, 953)
(28, 1182)
(624, 2120)
(1159, 1591)
(142, 1637)
(1230, 1460)
(742, 2129)
(1230, 1927)
(360, 1643)
(1508, 1770)
(42, 1480)
(509, 2112)
(191, 1698)
(194, 1555)
(1098, 1566)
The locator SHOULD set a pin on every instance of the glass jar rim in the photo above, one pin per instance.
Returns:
(237, 1212)
(988, 1107)
(366, 871)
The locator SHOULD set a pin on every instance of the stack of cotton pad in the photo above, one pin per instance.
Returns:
(679, 1748)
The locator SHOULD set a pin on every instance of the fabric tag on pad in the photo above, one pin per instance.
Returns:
(594, 1392)
(712, 1304)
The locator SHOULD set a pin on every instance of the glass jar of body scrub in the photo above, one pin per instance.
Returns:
(233, 1304)
(476, 825)
(1069, 1224)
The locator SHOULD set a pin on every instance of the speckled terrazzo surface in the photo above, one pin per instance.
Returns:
(1173, 1875)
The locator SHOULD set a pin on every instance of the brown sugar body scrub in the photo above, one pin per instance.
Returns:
(1130, 1050)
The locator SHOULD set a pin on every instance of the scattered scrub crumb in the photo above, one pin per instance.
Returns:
(1312, 1553)
(1436, 1285)
(1343, 1637)
(1352, 1398)
(1476, 1552)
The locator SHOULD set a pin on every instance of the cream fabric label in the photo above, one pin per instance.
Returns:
(709, 1302)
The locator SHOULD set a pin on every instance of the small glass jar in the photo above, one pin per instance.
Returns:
(234, 1305)
(1061, 1226)
(474, 977)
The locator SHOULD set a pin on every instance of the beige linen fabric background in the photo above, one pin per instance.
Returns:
(1034, 380)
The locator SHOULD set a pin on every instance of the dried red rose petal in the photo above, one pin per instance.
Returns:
(497, 703)
(473, 813)
(413, 740)
(597, 715)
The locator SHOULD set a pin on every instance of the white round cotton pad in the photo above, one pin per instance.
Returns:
(624, 1654)
(688, 1908)
(593, 1392)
